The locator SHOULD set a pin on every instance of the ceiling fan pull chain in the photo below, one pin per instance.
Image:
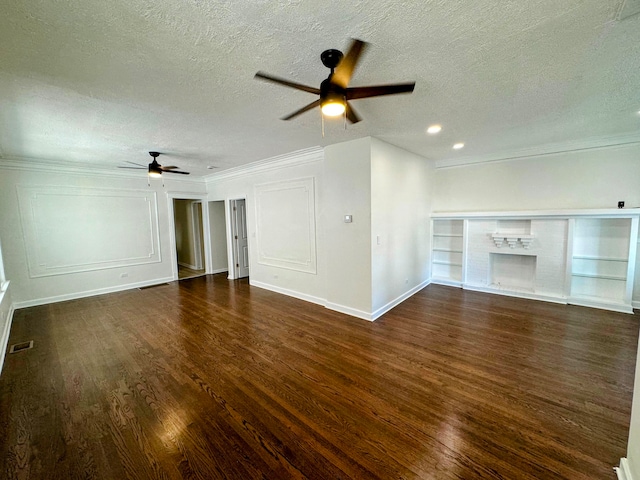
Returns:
(322, 120)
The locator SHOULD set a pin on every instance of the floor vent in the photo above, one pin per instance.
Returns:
(153, 286)
(19, 347)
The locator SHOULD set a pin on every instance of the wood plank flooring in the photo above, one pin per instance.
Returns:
(185, 272)
(210, 379)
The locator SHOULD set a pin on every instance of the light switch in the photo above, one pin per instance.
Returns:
(348, 218)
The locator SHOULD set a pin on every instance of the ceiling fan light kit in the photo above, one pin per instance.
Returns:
(334, 91)
(154, 169)
(334, 106)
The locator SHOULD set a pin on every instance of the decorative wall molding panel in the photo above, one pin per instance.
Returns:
(286, 224)
(70, 230)
(581, 257)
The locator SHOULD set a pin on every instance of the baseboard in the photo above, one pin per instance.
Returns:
(635, 304)
(511, 293)
(354, 312)
(286, 291)
(190, 267)
(218, 270)
(382, 310)
(587, 302)
(623, 471)
(89, 293)
(310, 298)
(444, 281)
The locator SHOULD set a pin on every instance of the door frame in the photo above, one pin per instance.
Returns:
(197, 233)
(231, 243)
(203, 198)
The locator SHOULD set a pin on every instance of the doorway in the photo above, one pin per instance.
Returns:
(218, 236)
(189, 238)
(239, 238)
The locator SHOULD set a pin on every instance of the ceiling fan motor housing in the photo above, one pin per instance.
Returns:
(330, 92)
(331, 58)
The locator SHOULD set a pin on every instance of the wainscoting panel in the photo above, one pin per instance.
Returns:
(286, 233)
(68, 230)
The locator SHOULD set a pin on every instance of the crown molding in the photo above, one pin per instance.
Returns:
(299, 157)
(544, 150)
(50, 166)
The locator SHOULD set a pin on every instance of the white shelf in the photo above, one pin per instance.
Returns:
(439, 262)
(600, 264)
(595, 275)
(512, 239)
(447, 251)
(597, 258)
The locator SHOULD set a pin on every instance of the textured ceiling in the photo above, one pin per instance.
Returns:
(89, 81)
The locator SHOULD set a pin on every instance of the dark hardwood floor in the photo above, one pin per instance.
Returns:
(185, 272)
(209, 378)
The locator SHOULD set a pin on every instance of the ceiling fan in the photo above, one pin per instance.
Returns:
(334, 91)
(154, 168)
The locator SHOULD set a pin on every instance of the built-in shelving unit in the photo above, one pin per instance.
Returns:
(447, 252)
(600, 267)
(583, 257)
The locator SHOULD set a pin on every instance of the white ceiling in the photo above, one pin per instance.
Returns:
(103, 82)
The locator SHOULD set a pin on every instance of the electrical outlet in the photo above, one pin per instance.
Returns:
(621, 204)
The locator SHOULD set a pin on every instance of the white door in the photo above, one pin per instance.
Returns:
(240, 239)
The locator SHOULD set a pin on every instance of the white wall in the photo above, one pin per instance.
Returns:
(585, 179)
(217, 225)
(29, 289)
(347, 246)
(400, 222)
(242, 183)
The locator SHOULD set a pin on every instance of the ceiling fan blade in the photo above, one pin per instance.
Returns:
(287, 83)
(302, 110)
(134, 168)
(343, 72)
(162, 167)
(177, 171)
(379, 90)
(134, 163)
(351, 114)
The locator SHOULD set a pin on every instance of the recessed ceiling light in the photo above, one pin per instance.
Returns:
(458, 146)
(434, 129)
(211, 167)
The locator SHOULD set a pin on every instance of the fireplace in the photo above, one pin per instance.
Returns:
(515, 272)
